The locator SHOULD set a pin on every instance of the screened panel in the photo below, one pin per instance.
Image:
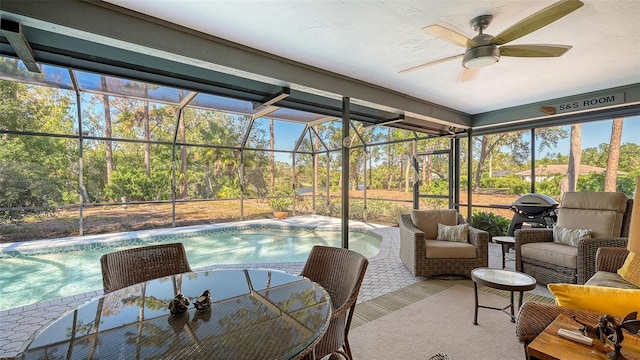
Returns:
(258, 168)
(295, 115)
(498, 160)
(38, 171)
(309, 143)
(433, 144)
(136, 172)
(126, 118)
(284, 134)
(207, 212)
(215, 128)
(304, 183)
(375, 134)
(401, 134)
(115, 86)
(35, 108)
(132, 217)
(330, 133)
(228, 105)
(38, 175)
(433, 174)
(207, 173)
(14, 70)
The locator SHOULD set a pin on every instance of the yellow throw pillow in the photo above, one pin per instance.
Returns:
(599, 299)
(630, 270)
(456, 233)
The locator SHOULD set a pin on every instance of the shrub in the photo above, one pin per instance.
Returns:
(495, 225)
(280, 204)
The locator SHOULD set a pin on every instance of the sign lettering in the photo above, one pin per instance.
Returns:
(584, 104)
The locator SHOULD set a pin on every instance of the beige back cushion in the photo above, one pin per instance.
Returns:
(427, 220)
(601, 212)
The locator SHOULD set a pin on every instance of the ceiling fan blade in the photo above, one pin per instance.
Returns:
(536, 21)
(468, 74)
(534, 50)
(431, 63)
(449, 35)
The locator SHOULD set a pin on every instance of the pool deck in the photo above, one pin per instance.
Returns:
(385, 274)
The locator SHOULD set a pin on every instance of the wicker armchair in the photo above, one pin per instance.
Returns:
(534, 317)
(413, 251)
(544, 263)
(131, 266)
(340, 271)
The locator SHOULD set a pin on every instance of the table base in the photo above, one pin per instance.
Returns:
(504, 309)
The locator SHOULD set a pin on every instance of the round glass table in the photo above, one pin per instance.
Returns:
(254, 314)
(502, 280)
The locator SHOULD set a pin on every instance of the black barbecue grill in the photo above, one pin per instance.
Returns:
(535, 209)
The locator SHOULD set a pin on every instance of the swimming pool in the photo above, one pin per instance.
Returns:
(61, 269)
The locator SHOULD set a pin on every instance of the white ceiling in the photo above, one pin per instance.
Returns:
(373, 40)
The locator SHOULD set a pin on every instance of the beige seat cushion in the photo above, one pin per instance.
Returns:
(437, 249)
(608, 279)
(427, 220)
(552, 253)
(600, 212)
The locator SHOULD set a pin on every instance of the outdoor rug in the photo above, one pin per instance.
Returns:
(442, 322)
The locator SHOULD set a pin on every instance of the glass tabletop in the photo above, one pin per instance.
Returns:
(254, 314)
(503, 277)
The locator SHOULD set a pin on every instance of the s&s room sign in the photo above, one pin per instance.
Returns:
(584, 104)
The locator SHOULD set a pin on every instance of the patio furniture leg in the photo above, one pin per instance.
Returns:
(475, 315)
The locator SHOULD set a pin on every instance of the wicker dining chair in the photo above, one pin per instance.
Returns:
(340, 271)
(131, 266)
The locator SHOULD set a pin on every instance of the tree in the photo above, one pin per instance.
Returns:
(575, 154)
(272, 155)
(184, 183)
(611, 174)
(493, 143)
(108, 132)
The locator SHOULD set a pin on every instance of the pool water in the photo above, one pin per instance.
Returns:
(30, 279)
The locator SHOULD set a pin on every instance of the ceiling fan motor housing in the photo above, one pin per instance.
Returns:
(481, 56)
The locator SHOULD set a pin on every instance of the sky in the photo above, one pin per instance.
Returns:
(598, 132)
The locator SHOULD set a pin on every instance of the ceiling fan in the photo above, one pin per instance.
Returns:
(484, 49)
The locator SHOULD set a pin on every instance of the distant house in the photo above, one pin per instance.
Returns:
(544, 172)
(502, 173)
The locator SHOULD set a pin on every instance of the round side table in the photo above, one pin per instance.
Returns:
(502, 280)
(506, 242)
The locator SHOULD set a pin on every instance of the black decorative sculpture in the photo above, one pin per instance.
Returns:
(203, 302)
(179, 304)
(609, 329)
(587, 330)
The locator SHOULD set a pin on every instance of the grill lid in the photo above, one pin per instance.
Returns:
(535, 200)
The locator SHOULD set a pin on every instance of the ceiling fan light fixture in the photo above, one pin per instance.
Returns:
(481, 56)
